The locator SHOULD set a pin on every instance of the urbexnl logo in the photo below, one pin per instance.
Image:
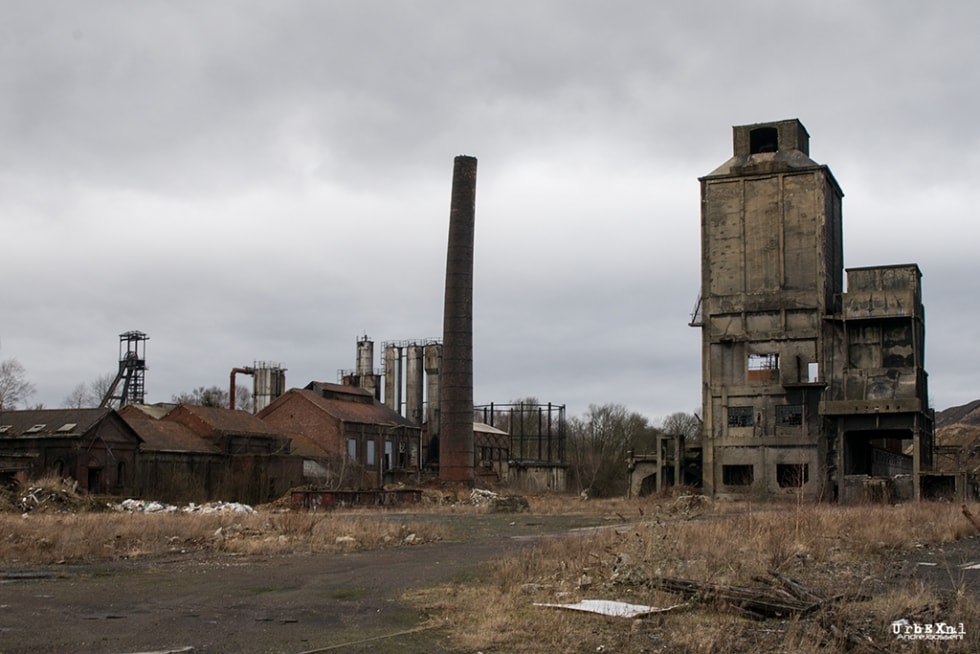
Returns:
(905, 630)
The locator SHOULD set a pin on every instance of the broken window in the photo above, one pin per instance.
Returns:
(763, 367)
(763, 139)
(789, 415)
(792, 475)
(740, 416)
(737, 475)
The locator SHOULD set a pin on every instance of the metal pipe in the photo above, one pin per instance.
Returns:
(231, 385)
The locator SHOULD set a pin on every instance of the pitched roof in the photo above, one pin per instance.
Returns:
(167, 436)
(47, 423)
(356, 411)
(228, 421)
(303, 445)
(157, 410)
(483, 428)
(340, 392)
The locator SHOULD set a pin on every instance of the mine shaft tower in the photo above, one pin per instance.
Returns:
(132, 371)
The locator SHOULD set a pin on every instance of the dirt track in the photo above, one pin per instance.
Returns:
(222, 603)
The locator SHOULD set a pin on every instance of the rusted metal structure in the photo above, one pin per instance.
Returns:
(804, 385)
(132, 371)
(313, 500)
(456, 376)
(268, 383)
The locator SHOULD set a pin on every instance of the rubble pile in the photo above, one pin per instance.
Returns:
(497, 503)
(149, 506)
(54, 497)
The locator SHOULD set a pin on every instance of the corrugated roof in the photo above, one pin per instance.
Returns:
(484, 428)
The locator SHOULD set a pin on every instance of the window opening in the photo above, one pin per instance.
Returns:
(763, 367)
(763, 139)
(737, 475)
(370, 452)
(792, 475)
(352, 449)
(789, 415)
(740, 416)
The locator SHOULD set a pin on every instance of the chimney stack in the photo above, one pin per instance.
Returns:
(456, 375)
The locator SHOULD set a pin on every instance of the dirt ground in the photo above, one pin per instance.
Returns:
(204, 602)
(299, 604)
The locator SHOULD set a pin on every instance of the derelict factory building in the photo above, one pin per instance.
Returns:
(806, 388)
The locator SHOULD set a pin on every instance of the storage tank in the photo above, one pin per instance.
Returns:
(269, 382)
(414, 379)
(393, 378)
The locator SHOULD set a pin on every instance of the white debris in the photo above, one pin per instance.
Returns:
(481, 496)
(611, 608)
(146, 506)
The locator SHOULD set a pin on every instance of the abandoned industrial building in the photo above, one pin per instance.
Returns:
(808, 388)
(812, 379)
(324, 435)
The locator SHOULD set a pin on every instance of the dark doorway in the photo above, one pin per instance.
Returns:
(94, 480)
(649, 485)
(878, 453)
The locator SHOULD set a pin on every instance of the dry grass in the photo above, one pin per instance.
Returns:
(46, 538)
(832, 549)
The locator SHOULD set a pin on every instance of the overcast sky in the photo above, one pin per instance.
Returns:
(248, 181)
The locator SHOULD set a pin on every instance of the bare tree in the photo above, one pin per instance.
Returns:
(77, 399)
(14, 387)
(99, 387)
(597, 445)
(683, 424)
(89, 395)
(216, 396)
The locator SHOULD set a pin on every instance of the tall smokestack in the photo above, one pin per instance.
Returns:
(456, 383)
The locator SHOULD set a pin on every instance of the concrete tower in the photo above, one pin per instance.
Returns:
(771, 271)
(788, 400)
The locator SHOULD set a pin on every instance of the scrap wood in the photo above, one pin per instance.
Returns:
(970, 517)
(793, 587)
(754, 602)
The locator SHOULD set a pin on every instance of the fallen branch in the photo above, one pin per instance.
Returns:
(970, 517)
(755, 602)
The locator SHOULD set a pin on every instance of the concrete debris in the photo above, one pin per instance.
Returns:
(482, 496)
(59, 497)
(497, 503)
(611, 608)
(147, 506)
